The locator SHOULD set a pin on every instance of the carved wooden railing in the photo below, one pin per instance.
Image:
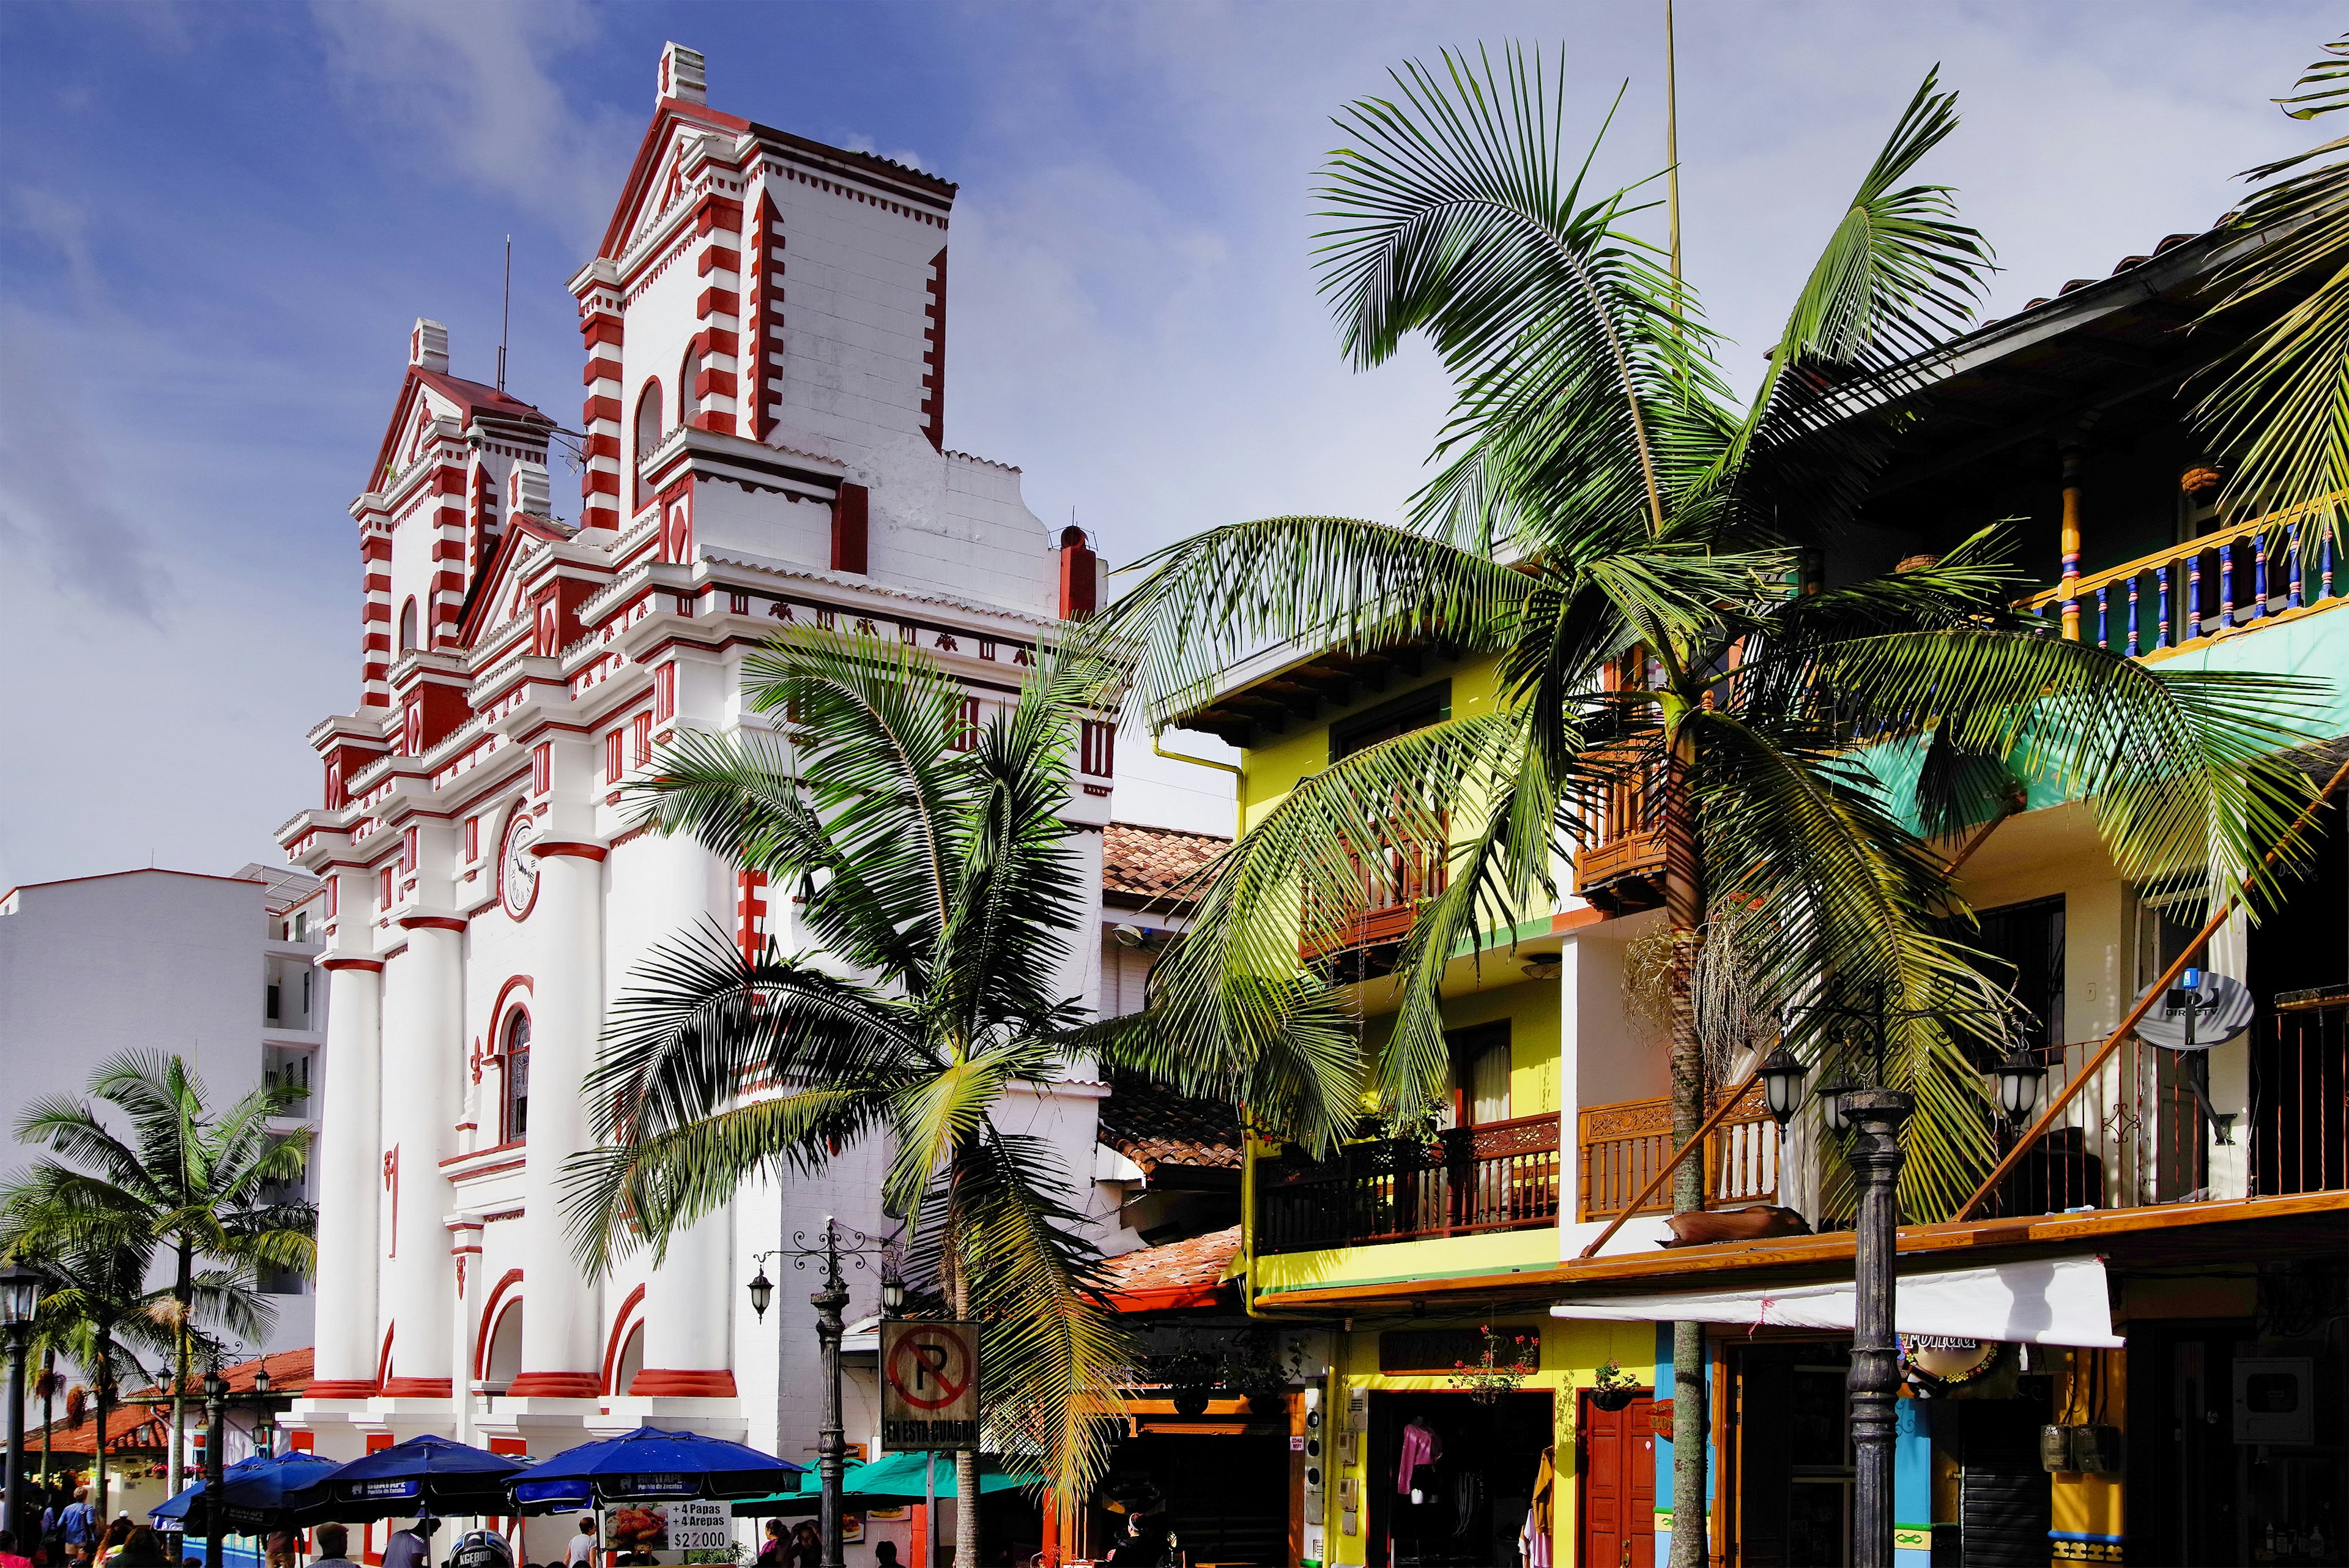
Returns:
(1390, 883)
(1624, 1144)
(1622, 868)
(2227, 580)
(1501, 1176)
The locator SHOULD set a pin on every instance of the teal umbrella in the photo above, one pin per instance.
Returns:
(890, 1480)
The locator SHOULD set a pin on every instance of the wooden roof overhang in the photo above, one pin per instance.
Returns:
(1299, 692)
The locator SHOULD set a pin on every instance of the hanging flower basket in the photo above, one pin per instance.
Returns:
(1192, 1400)
(1614, 1388)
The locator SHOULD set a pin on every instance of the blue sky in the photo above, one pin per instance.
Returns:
(217, 222)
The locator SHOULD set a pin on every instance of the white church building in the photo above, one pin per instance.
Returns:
(762, 337)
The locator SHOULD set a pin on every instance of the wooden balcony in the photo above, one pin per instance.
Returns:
(1625, 1144)
(1501, 1176)
(1360, 936)
(1622, 870)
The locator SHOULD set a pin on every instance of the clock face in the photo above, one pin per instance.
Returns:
(517, 866)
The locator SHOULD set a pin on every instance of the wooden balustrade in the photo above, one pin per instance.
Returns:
(1623, 1146)
(2227, 580)
(1389, 885)
(1622, 869)
(1501, 1175)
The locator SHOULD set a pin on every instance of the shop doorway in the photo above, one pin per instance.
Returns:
(1793, 1463)
(1618, 1464)
(1226, 1495)
(1474, 1481)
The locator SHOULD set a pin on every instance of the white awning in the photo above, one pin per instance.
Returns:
(2046, 1301)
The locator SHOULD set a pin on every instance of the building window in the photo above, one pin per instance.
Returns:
(1097, 748)
(513, 1121)
(648, 430)
(688, 394)
(408, 627)
(965, 734)
(664, 693)
(541, 767)
(269, 1004)
(302, 933)
(641, 739)
(1414, 710)
(383, 887)
(612, 757)
(473, 838)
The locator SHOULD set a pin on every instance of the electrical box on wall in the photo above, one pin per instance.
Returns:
(2275, 1400)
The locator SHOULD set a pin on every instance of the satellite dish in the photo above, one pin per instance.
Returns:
(2222, 1006)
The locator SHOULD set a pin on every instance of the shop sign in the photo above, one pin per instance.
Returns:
(1942, 1361)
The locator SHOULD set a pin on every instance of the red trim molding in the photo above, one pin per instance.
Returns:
(662, 1383)
(569, 846)
(339, 1388)
(375, 965)
(415, 1388)
(618, 1341)
(491, 1312)
(432, 922)
(554, 1385)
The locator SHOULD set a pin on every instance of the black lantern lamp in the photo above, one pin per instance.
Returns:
(2020, 1075)
(265, 1429)
(893, 1293)
(1781, 1086)
(762, 1291)
(1831, 1104)
(20, 1292)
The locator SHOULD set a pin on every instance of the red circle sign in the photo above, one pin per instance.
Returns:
(931, 1368)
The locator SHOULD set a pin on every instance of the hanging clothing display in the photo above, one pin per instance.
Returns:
(1421, 1445)
(1533, 1539)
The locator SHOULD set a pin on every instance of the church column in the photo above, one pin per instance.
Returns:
(689, 1295)
(348, 1160)
(423, 1055)
(560, 1356)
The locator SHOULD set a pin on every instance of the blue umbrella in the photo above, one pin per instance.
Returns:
(649, 1464)
(424, 1475)
(260, 1493)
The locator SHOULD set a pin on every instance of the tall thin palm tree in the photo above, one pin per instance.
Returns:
(202, 1187)
(96, 1310)
(1611, 528)
(938, 874)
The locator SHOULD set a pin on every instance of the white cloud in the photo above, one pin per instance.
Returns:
(473, 84)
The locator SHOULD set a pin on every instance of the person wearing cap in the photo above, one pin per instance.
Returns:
(334, 1545)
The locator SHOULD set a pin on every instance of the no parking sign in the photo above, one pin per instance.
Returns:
(929, 1384)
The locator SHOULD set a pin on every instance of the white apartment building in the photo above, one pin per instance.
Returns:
(762, 332)
(216, 970)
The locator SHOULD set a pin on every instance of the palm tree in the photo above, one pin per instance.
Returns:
(2282, 400)
(936, 871)
(204, 1187)
(1613, 531)
(96, 1310)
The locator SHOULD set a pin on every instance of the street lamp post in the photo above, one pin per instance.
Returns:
(838, 1242)
(20, 1292)
(215, 1412)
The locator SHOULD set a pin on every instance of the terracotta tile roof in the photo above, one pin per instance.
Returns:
(1177, 1274)
(1156, 1127)
(139, 1428)
(1154, 863)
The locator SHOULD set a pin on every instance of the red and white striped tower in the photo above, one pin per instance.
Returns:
(602, 328)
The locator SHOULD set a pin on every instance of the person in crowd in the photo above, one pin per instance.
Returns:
(885, 1554)
(581, 1553)
(10, 1556)
(334, 1544)
(773, 1554)
(141, 1548)
(807, 1545)
(109, 1545)
(411, 1547)
(78, 1525)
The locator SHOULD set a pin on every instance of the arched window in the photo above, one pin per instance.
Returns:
(688, 378)
(648, 434)
(632, 1360)
(503, 1364)
(408, 627)
(513, 1120)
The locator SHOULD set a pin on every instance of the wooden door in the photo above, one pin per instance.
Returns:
(1618, 1486)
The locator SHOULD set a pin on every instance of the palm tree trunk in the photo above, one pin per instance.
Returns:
(48, 1417)
(182, 1293)
(1684, 909)
(966, 1461)
(104, 1384)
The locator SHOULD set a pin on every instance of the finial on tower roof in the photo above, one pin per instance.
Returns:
(428, 346)
(681, 76)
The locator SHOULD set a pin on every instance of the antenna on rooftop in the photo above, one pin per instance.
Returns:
(505, 314)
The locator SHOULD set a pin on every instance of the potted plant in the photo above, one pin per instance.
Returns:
(1506, 1361)
(1254, 1371)
(1614, 1388)
(1188, 1373)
